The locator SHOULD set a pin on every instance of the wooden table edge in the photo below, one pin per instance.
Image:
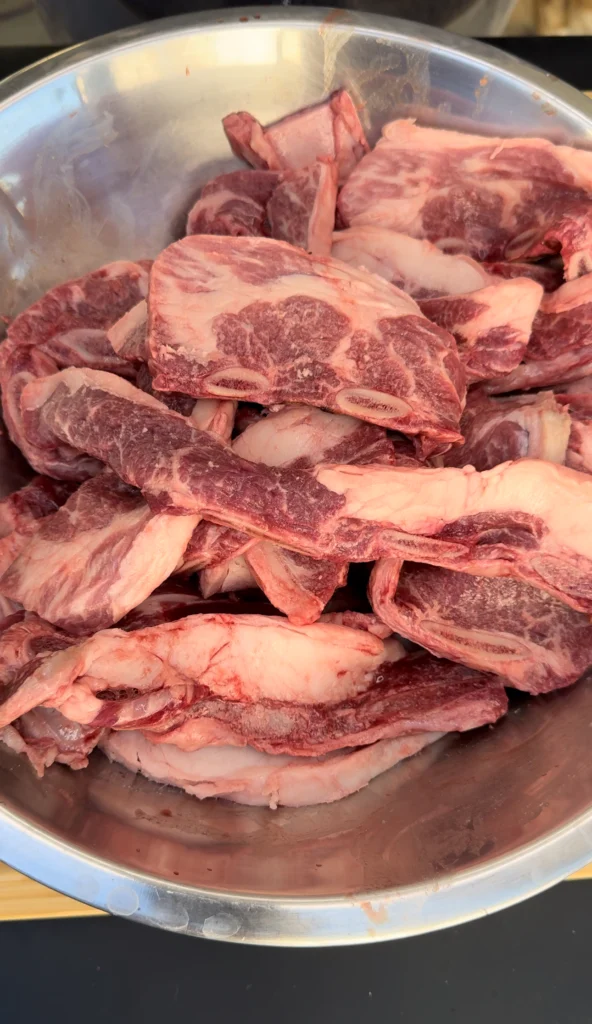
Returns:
(22, 899)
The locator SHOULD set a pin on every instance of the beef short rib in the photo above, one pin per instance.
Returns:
(258, 320)
(497, 625)
(494, 199)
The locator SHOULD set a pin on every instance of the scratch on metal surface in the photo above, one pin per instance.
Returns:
(395, 82)
(335, 31)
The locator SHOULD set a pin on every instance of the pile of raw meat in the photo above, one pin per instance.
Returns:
(221, 434)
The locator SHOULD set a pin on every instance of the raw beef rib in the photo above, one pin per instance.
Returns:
(100, 555)
(233, 204)
(422, 269)
(491, 319)
(496, 625)
(301, 210)
(107, 678)
(492, 325)
(330, 129)
(501, 429)
(67, 327)
(256, 319)
(205, 413)
(415, 694)
(296, 584)
(527, 519)
(494, 199)
(345, 688)
(248, 776)
(560, 346)
(300, 436)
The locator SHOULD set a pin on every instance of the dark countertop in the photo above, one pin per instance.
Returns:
(526, 965)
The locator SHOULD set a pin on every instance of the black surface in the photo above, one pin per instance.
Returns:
(526, 965)
(566, 57)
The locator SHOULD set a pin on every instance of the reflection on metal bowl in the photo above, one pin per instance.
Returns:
(102, 150)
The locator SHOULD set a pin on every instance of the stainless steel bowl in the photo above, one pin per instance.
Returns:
(101, 150)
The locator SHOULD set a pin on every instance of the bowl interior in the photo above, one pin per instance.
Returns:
(102, 150)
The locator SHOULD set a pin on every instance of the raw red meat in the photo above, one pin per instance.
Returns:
(26, 641)
(330, 129)
(491, 319)
(20, 515)
(296, 584)
(415, 265)
(107, 678)
(415, 694)
(560, 346)
(233, 204)
(173, 600)
(183, 404)
(495, 199)
(46, 737)
(205, 413)
(18, 367)
(297, 436)
(41, 757)
(97, 557)
(127, 336)
(496, 625)
(492, 325)
(67, 327)
(520, 426)
(301, 210)
(214, 545)
(548, 274)
(249, 776)
(39, 498)
(301, 437)
(358, 620)
(576, 397)
(526, 519)
(345, 688)
(232, 575)
(259, 320)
